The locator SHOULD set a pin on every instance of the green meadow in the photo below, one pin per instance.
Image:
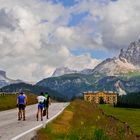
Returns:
(84, 121)
(129, 115)
(10, 101)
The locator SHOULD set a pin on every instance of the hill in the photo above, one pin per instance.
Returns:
(75, 84)
(70, 85)
(34, 89)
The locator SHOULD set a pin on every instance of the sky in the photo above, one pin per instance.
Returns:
(38, 36)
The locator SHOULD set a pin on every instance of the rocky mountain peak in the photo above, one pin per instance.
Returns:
(132, 54)
(128, 61)
(4, 80)
(86, 71)
(63, 70)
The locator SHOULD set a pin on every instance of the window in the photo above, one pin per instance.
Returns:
(93, 99)
(88, 98)
(108, 99)
(114, 99)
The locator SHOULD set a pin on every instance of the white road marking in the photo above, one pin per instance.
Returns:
(39, 126)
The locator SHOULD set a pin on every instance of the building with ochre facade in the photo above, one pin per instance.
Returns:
(101, 96)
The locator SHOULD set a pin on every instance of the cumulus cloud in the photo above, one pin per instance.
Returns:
(74, 37)
(120, 23)
(117, 22)
(28, 50)
(77, 62)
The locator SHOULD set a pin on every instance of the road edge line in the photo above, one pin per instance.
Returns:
(39, 126)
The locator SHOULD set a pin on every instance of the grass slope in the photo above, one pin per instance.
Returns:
(84, 121)
(33, 89)
(10, 101)
(128, 115)
(132, 74)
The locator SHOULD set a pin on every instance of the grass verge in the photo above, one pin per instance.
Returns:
(84, 121)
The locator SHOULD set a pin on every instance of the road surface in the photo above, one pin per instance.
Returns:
(12, 129)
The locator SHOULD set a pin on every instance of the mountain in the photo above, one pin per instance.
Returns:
(73, 85)
(121, 74)
(4, 80)
(127, 61)
(62, 71)
(114, 66)
(132, 54)
(86, 71)
(33, 89)
(69, 85)
(65, 70)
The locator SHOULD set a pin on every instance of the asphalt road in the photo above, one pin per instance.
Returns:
(12, 129)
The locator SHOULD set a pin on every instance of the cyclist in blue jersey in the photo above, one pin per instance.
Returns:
(21, 103)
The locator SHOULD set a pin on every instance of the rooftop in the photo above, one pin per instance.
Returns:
(95, 92)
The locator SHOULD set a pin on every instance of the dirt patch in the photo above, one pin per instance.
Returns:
(124, 130)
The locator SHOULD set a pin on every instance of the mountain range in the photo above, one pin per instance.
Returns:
(120, 74)
(127, 61)
(124, 69)
(65, 70)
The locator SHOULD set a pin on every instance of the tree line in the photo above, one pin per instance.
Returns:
(131, 100)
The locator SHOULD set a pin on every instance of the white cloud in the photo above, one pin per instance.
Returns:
(35, 37)
(77, 62)
(117, 23)
(121, 23)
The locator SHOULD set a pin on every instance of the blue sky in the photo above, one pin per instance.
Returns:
(77, 18)
(69, 3)
(66, 3)
(98, 54)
